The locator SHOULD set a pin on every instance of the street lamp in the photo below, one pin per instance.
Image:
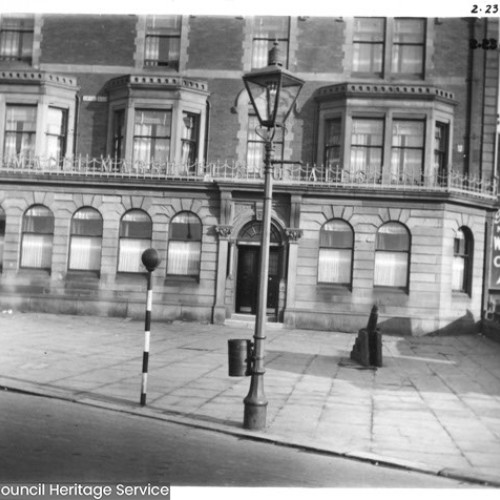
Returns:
(273, 92)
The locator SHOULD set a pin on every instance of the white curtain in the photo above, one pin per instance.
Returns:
(37, 251)
(458, 273)
(184, 257)
(130, 255)
(391, 269)
(85, 253)
(334, 265)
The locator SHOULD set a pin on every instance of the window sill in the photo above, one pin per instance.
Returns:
(457, 294)
(390, 290)
(79, 274)
(335, 287)
(176, 279)
(35, 272)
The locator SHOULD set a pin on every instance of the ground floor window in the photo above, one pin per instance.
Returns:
(135, 237)
(462, 261)
(86, 240)
(37, 238)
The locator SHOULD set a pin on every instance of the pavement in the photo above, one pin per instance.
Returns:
(433, 407)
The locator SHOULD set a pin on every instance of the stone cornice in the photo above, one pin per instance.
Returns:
(147, 81)
(383, 90)
(27, 77)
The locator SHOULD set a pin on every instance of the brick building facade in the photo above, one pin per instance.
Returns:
(123, 132)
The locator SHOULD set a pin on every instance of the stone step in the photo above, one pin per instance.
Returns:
(248, 321)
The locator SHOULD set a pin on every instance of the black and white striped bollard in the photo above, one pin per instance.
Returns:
(150, 259)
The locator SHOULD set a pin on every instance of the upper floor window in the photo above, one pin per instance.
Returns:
(408, 150)
(266, 31)
(163, 40)
(57, 129)
(2, 236)
(336, 243)
(20, 131)
(368, 45)
(408, 47)
(462, 261)
(152, 129)
(85, 240)
(184, 245)
(37, 238)
(136, 229)
(392, 256)
(385, 47)
(16, 38)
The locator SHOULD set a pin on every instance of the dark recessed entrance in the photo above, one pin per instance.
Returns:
(247, 285)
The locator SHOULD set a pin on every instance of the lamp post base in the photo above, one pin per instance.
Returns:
(255, 416)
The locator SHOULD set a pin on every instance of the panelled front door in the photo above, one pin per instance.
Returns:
(247, 287)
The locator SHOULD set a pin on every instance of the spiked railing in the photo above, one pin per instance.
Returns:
(294, 173)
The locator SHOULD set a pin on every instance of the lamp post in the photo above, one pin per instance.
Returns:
(273, 92)
(151, 260)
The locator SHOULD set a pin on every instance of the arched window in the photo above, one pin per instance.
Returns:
(37, 238)
(392, 256)
(136, 230)
(184, 246)
(336, 242)
(85, 240)
(462, 261)
(2, 236)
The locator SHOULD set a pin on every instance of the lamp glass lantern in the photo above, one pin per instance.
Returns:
(273, 91)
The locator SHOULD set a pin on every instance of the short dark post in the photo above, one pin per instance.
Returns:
(150, 259)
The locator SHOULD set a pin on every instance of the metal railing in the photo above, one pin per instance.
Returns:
(333, 176)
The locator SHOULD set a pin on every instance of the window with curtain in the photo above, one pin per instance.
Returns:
(163, 41)
(368, 45)
(332, 149)
(441, 151)
(336, 243)
(2, 236)
(16, 38)
(408, 47)
(118, 147)
(37, 238)
(20, 131)
(57, 125)
(184, 245)
(367, 141)
(256, 146)
(85, 240)
(136, 229)
(407, 160)
(152, 129)
(266, 31)
(189, 138)
(392, 256)
(462, 261)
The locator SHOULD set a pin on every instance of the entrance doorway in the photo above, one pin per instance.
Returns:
(247, 284)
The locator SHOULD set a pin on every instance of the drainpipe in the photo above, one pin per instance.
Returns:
(207, 131)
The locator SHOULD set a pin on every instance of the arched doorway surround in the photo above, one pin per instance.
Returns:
(247, 278)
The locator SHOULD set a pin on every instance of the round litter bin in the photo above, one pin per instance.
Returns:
(238, 352)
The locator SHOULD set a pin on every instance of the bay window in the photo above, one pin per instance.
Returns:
(392, 256)
(441, 133)
(407, 160)
(367, 141)
(85, 240)
(20, 131)
(37, 238)
(118, 147)
(462, 261)
(189, 139)
(56, 133)
(336, 243)
(184, 246)
(136, 229)
(152, 129)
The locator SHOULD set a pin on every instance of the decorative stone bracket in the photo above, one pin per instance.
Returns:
(293, 234)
